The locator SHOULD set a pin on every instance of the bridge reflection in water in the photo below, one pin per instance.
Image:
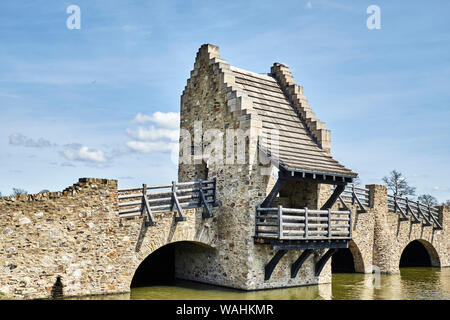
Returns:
(411, 283)
(154, 280)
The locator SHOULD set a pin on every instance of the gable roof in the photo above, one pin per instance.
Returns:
(299, 149)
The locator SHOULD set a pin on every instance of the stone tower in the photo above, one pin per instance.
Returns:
(256, 134)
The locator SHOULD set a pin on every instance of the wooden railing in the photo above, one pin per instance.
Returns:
(415, 211)
(303, 224)
(356, 195)
(178, 197)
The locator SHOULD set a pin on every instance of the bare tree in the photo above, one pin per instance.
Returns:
(427, 199)
(357, 181)
(446, 203)
(18, 191)
(398, 184)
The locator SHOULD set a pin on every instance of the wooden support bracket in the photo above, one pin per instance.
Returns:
(268, 269)
(427, 221)
(176, 204)
(408, 209)
(323, 260)
(145, 208)
(334, 196)
(299, 262)
(438, 225)
(207, 212)
(355, 196)
(273, 193)
(396, 206)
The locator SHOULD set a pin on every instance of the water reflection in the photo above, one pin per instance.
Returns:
(411, 283)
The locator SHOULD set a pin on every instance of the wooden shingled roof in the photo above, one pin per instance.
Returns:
(298, 150)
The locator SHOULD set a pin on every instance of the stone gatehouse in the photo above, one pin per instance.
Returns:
(276, 221)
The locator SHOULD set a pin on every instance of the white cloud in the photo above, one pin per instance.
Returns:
(308, 5)
(151, 146)
(170, 120)
(84, 154)
(151, 134)
(161, 136)
(18, 139)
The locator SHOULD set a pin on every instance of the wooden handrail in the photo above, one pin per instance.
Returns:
(302, 224)
(183, 195)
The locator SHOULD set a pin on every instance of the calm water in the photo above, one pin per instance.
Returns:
(411, 283)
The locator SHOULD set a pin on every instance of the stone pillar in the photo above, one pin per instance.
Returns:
(383, 240)
(444, 220)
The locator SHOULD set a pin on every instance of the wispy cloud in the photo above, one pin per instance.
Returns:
(18, 139)
(169, 120)
(150, 146)
(308, 5)
(162, 136)
(84, 154)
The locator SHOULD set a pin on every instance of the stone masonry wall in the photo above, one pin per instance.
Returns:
(77, 235)
(211, 98)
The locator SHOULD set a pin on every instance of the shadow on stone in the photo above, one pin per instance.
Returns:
(57, 289)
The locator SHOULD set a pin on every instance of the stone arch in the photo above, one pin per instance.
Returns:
(413, 252)
(167, 262)
(348, 260)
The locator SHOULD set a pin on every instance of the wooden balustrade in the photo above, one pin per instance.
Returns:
(303, 224)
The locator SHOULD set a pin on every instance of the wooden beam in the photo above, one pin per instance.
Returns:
(273, 193)
(205, 204)
(323, 260)
(268, 269)
(175, 203)
(302, 244)
(408, 208)
(396, 206)
(299, 262)
(428, 223)
(146, 207)
(334, 196)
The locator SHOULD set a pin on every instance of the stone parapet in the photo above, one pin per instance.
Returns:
(295, 93)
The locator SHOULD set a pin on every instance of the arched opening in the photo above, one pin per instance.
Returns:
(160, 267)
(343, 262)
(347, 260)
(419, 253)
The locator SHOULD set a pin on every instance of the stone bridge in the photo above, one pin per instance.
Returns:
(274, 220)
(78, 236)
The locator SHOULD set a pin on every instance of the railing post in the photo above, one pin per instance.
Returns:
(144, 194)
(329, 223)
(306, 223)
(353, 194)
(214, 190)
(350, 223)
(200, 190)
(280, 222)
(174, 188)
(395, 203)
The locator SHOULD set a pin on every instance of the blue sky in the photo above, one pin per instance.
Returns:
(68, 98)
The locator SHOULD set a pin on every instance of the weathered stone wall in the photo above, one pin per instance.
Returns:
(392, 236)
(210, 98)
(77, 235)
